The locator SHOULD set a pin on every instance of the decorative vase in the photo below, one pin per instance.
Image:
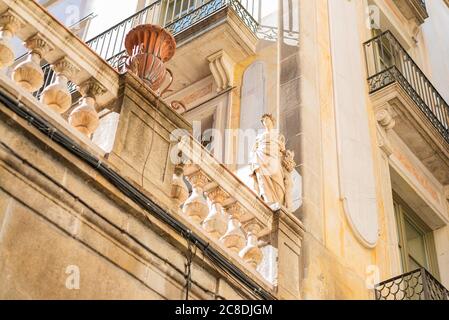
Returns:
(29, 74)
(196, 206)
(234, 238)
(148, 47)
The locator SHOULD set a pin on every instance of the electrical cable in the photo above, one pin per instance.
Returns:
(132, 192)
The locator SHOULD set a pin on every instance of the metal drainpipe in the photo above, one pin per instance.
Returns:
(280, 42)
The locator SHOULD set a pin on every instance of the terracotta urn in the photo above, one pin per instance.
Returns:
(148, 48)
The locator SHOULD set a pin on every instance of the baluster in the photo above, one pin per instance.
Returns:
(252, 254)
(216, 221)
(9, 24)
(196, 206)
(29, 74)
(179, 188)
(84, 118)
(234, 238)
(57, 95)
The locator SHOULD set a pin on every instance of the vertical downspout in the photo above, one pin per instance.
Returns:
(280, 42)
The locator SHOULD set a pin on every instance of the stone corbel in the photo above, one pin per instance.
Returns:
(222, 68)
(385, 123)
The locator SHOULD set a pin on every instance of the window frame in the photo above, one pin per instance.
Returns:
(404, 212)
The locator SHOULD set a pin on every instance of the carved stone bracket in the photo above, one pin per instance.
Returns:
(385, 123)
(221, 66)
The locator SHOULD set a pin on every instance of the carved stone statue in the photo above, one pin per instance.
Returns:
(271, 166)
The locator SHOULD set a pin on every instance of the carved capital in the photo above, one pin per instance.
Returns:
(235, 210)
(198, 179)
(9, 22)
(252, 227)
(221, 66)
(91, 89)
(37, 45)
(217, 195)
(65, 67)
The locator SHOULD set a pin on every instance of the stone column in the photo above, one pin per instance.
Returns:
(84, 118)
(29, 74)
(251, 253)
(196, 207)
(216, 221)
(9, 24)
(57, 95)
(179, 188)
(234, 238)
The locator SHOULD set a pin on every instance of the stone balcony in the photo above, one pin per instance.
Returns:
(415, 285)
(231, 28)
(217, 213)
(413, 9)
(401, 92)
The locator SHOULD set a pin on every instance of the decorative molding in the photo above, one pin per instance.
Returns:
(221, 66)
(385, 123)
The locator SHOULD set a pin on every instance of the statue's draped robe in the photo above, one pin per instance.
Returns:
(266, 168)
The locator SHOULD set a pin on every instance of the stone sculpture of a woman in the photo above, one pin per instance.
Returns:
(271, 165)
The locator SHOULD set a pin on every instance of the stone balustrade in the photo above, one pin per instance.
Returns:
(227, 214)
(48, 41)
(225, 208)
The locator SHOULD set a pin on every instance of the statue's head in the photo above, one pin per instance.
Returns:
(268, 121)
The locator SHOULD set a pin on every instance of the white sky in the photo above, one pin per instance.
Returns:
(108, 13)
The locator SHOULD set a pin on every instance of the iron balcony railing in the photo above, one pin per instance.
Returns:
(415, 285)
(422, 3)
(176, 16)
(388, 62)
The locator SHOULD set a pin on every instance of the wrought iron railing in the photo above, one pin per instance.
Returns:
(388, 62)
(422, 3)
(177, 16)
(415, 285)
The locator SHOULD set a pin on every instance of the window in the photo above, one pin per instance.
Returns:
(416, 243)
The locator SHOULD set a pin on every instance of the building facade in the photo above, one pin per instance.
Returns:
(110, 189)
